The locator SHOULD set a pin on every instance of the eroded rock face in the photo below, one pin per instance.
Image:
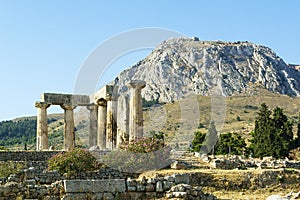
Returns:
(181, 67)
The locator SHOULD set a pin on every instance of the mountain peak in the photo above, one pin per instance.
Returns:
(179, 67)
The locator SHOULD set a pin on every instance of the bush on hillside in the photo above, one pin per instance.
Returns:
(139, 155)
(73, 162)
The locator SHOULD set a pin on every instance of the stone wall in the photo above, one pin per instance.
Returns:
(26, 155)
(176, 185)
(188, 185)
(267, 163)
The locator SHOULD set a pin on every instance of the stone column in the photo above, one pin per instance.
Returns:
(111, 126)
(101, 133)
(69, 134)
(93, 124)
(136, 109)
(122, 120)
(42, 126)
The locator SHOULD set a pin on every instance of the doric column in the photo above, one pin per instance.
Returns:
(123, 120)
(136, 109)
(101, 134)
(69, 134)
(111, 122)
(42, 126)
(93, 124)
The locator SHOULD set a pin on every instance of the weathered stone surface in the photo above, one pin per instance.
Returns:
(179, 67)
(150, 187)
(181, 178)
(108, 196)
(104, 93)
(122, 119)
(136, 109)
(178, 165)
(102, 116)
(95, 186)
(159, 187)
(69, 127)
(42, 126)
(180, 194)
(70, 99)
(93, 109)
(276, 197)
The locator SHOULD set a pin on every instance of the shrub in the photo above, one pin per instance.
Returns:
(230, 143)
(7, 168)
(140, 155)
(73, 162)
(198, 141)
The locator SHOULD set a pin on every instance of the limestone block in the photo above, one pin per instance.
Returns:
(159, 186)
(108, 196)
(77, 196)
(276, 197)
(104, 93)
(181, 178)
(95, 186)
(68, 99)
(180, 194)
(150, 187)
(140, 187)
(131, 188)
(178, 165)
(167, 185)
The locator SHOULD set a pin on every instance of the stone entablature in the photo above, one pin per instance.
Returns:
(65, 99)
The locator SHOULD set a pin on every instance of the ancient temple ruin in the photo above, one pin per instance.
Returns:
(114, 118)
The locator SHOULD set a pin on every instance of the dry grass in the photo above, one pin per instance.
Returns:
(181, 119)
(222, 191)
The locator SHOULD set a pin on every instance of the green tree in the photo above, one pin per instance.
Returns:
(297, 140)
(260, 141)
(281, 134)
(198, 141)
(272, 135)
(230, 144)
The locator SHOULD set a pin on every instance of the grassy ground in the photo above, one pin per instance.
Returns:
(222, 183)
(179, 120)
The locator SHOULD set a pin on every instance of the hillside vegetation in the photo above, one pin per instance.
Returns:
(178, 120)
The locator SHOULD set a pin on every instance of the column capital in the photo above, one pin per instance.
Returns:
(109, 97)
(67, 107)
(101, 102)
(39, 104)
(136, 84)
(91, 107)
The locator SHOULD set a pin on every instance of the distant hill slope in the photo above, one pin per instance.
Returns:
(14, 134)
(248, 74)
(180, 67)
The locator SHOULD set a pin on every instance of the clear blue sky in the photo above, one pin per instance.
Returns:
(44, 43)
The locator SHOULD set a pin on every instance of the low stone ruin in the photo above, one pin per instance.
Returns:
(236, 162)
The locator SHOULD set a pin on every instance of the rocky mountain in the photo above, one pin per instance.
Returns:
(179, 67)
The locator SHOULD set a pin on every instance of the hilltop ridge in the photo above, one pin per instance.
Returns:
(183, 66)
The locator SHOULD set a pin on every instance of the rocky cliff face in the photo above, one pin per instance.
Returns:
(180, 67)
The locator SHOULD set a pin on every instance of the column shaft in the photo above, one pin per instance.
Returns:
(42, 126)
(69, 134)
(93, 124)
(136, 110)
(101, 134)
(109, 125)
(123, 120)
